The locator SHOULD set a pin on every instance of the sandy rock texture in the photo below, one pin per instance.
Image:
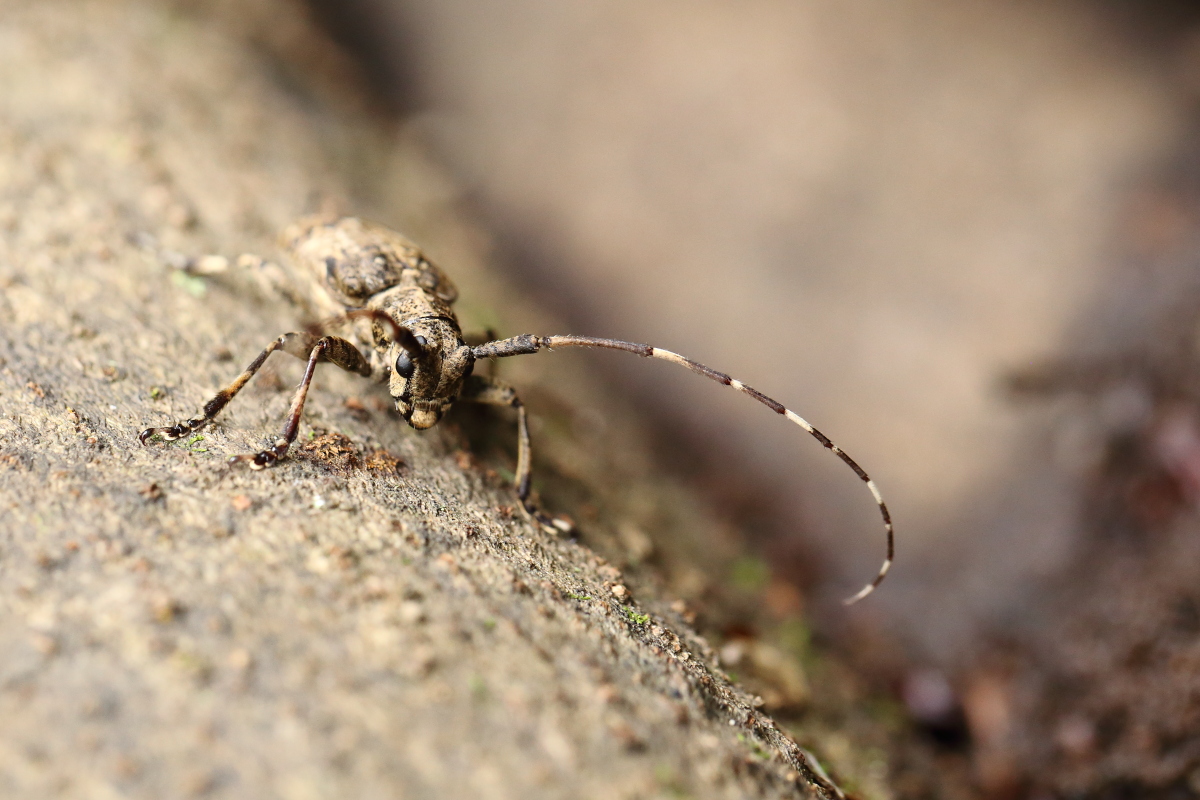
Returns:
(371, 618)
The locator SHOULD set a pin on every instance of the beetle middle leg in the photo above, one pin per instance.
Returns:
(478, 389)
(306, 346)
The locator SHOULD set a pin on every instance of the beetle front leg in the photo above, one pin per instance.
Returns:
(307, 346)
(298, 344)
(328, 348)
(478, 389)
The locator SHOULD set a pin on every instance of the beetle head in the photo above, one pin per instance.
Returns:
(427, 372)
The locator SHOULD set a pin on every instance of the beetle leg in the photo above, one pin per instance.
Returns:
(478, 389)
(301, 345)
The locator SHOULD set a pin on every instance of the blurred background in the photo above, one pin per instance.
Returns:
(960, 238)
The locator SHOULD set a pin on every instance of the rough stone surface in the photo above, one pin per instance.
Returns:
(370, 618)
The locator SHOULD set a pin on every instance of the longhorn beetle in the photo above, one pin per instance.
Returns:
(349, 270)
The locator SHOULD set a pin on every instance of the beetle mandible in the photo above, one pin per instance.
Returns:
(348, 270)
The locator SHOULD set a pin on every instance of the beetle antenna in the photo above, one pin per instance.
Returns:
(398, 333)
(528, 344)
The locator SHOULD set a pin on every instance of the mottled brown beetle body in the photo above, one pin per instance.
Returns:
(355, 265)
(351, 261)
(399, 306)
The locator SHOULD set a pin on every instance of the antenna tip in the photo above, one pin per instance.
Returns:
(866, 590)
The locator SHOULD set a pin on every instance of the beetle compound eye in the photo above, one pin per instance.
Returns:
(404, 364)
